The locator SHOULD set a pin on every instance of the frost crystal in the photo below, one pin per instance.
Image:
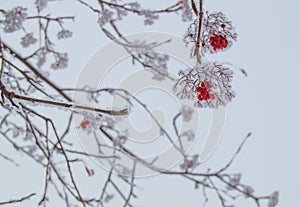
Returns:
(41, 57)
(190, 135)
(187, 14)
(187, 113)
(273, 199)
(108, 198)
(41, 4)
(61, 61)
(108, 122)
(209, 84)
(63, 34)
(234, 180)
(190, 163)
(134, 5)
(248, 190)
(106, 16)
(121, 13)
(14, 19)
(28, 40)
(31, 149)
(150, 16)
(119, 140)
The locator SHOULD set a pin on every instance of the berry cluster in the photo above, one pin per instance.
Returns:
(204, 90)
(218, 33)
(208, 84)
(218, 42)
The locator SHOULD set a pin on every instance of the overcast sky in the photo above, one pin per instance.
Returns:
(266, 104)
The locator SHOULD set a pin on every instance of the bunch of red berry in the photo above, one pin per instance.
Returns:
(218, 42)
(204, 90)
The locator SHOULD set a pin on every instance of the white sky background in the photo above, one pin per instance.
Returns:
(266, 104)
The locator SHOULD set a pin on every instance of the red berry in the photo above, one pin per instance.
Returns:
(198, 89)
(211, 96)
(200, 97)
(84, 124)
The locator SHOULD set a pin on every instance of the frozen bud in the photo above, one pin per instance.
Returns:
(108, 198)
(63, 34)
(134, 5)
(121, 13)
(41, 4)
(273, 199)
(150, 16)
(190, 163)
(126, 171)
(61, 61)
(14, 19)
(187, 14)
(28, 136)
(41, 57)
(28, 40)
(189, 134)
(107, 121)
(32, 149)
(119, 140)
(16, 132)
(187, 113)
(39, 158)
(105, 17)
(248, 190)
(234, 180)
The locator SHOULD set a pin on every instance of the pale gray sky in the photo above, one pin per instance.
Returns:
(267, 100)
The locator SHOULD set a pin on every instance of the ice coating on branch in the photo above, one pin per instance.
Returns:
(208, 84)
(14, 19)
(28, 40)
